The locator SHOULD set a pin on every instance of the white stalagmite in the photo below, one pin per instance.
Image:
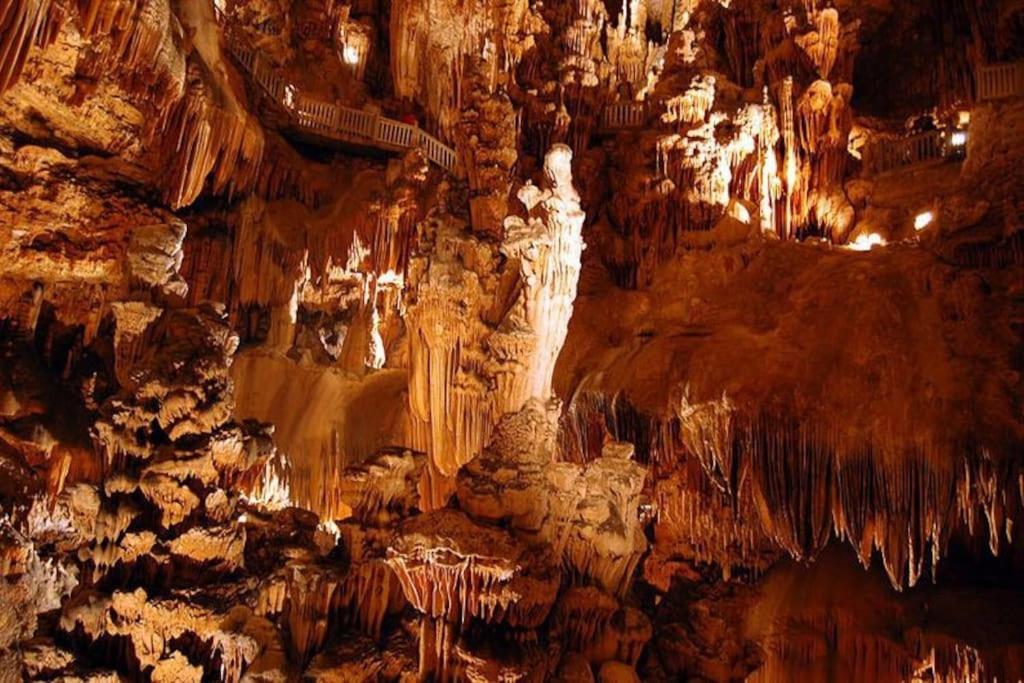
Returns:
(465, 371)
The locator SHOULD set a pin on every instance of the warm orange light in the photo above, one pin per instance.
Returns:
(867, 242)
(350, 53)
(923, 220)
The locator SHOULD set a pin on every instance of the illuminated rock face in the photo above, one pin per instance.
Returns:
(511, 341)
(487, 321)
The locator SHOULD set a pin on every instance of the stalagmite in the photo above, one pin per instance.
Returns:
(465, 340)
(456, 356)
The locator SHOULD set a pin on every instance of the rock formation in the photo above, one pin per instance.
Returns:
(511, 341)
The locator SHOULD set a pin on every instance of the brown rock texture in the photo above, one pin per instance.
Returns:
(663, 340)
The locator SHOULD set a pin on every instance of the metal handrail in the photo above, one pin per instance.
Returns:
(886, 155)
(321, 117)
(996, 81)
(327, 118)
(624, 115)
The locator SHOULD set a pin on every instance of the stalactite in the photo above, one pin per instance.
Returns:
(430, 45)
(454, 570)
(208, 145)
(790, 175)
(822, 44)
(25, 24)
(810, 482)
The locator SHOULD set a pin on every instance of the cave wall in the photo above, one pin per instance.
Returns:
(661, 379)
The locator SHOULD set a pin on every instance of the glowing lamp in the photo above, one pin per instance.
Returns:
(959, 138)
(350, 53)
(923, 220)
(867, 242)
(964, 118)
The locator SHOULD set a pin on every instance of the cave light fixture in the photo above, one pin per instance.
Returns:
(866, 242)
(350, 53)
(958, 139)
(923, 220)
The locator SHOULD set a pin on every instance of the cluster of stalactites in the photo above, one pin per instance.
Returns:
(150, 632)
(716, 146)
(460, 575)
(208, 144)
(454, 569)
(710, 158)
(711, 168)
(808, 483)
(816, 118)
(205, 142)
(25, 24)
(209, 148)
(432, 43)
(630, 54)
(265, 269)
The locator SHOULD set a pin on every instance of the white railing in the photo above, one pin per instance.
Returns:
(438, 152)
(395, 133)
(333, 120)
(315, 114)
(886, 155)
(358, 122)
(624, 115)
(996, 81)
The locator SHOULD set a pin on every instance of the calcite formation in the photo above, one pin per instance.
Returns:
(511, 341)
(484, 341)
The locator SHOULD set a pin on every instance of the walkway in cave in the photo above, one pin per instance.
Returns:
(994, 82)
(333, 122)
